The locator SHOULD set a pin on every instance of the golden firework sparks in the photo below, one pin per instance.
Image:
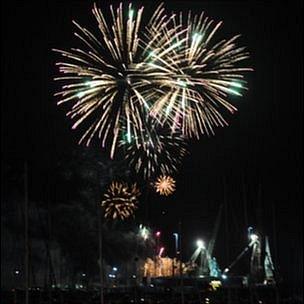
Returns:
(120, 201)
(106, 80)
(165, 185)
(155, 151)
(201, 73)
(171, 71)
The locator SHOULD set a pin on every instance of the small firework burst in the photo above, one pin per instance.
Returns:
(120, 201)
(165, 185)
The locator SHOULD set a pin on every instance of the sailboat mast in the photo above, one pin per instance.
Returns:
(245, 203)
(26, 235)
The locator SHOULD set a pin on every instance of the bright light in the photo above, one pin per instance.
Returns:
(131, 13)
(89, 84)
(224, 276)
(215, 284)
(158, 234)
(17, 271)
(152, 54)
(200, 244)
(83, 274)
(161, 251)
(254, 237)
(234, 92)
(144, 232)
(236, 84)
(80, 94)
(226, 270)
(129, 137)
(197, 37)
(115, 269)
(181, 83)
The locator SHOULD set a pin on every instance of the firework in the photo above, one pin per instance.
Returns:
(163, 267)
(120, 201)
(200, 74)
(137, 82)
(165, 185)
(107, 81)
(154, 151)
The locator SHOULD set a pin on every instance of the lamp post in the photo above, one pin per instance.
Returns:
(100, 222)
(180, 253)
(176, 243)
(176, 253)
(26, 235)
(157, 235)
(200, 246)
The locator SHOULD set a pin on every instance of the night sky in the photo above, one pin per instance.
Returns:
(260, 150)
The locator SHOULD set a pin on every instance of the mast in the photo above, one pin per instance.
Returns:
(259, 210)
(26, 234)
(245, 203)
(268, 264)
(215, 231)
(227, 233)
(226, 223)
(275, 252)
(274, 231)
(100, 215)
(209, 259)
(181, 263)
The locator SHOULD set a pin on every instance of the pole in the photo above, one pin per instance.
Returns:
(100, 256)
(176, 253)
(227, 232)
(275, 253)
(181, 264)
(274, 229)
(245, 204)
(26, 235)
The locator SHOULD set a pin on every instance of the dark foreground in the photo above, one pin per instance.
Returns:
(139, 296)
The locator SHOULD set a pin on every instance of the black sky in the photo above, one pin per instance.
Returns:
(262, 146)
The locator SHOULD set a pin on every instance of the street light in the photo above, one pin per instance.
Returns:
(254, 237)
(161, 251)
(176, 242)
(200, 244)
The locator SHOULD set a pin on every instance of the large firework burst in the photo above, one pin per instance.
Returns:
(105, 82)
(120, 201)
(165, 185)
(201, 74)
(130, 78)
